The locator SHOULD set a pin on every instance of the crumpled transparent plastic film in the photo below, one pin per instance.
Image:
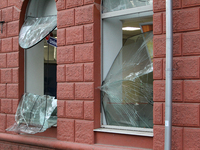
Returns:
(127, 91)
(36, 29)
(115, 5)
(35, 114)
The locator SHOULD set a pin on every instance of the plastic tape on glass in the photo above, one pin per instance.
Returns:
(115, 5)
(127, 91)
(35, 114)
(36, 29)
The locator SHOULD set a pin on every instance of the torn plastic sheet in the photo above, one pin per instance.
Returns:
(127, 91)
(36, 29)
(35, 114)
(115, 5)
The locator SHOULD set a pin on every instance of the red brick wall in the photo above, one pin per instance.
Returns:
(186, 83)
(10, 68)
(78, 70)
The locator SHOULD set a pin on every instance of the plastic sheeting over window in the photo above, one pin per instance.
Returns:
(35, 114)
(127, 91)
(115, 5)
(36, 29)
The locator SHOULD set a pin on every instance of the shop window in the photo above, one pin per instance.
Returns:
(127, 64)
(37, 109)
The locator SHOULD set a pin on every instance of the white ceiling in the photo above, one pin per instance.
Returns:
(134, 23)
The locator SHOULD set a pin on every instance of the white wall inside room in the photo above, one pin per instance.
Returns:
(113, 37)
(111, 44)
(34, 68)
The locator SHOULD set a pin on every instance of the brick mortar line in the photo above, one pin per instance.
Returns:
(75, 63)
(77, 25)
(67, 8)
(76, 44)
(181, 8)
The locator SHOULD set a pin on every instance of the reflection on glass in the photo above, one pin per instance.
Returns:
(127, 91)
(115, 5)
(35, 29)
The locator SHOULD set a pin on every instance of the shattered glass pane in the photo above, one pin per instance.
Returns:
(127, 91)
(115, 5)
(36, 29)
(35, 114)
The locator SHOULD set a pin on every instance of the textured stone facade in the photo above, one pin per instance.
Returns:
(79, 76)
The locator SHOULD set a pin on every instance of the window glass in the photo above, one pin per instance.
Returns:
(115, 5)
(36, 29)
(31, 116)
(127, 91)
(37, 109)
(127, 71)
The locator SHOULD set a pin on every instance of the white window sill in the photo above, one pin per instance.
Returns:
(126, 130)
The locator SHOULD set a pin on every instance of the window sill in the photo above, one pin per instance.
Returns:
(127, 131)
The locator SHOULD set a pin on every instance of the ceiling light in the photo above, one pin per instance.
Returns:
(130, 28)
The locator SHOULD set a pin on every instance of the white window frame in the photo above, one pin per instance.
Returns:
(121, 15)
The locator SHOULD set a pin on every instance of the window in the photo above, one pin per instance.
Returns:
(38, 24)
(127, 66)
(37, 109)
(40, 68)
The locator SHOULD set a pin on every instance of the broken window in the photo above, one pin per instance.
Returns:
(36, 29)
(115, 5)
(127, 90)
(35, 114)
(127, 65)
(37, 109)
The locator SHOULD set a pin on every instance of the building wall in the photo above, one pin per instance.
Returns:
(11, 63)
(186, 95)
(78, 70)
(78, 76)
